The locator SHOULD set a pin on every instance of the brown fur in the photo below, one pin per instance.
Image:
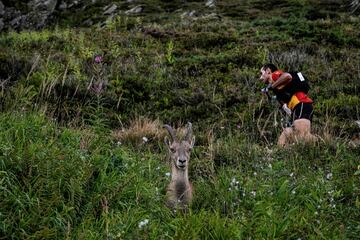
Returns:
(179, 191)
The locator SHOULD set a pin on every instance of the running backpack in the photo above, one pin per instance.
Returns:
(299, 83)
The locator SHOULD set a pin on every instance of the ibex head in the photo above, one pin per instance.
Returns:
(180, 150)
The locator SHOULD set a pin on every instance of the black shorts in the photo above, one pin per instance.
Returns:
(302, 110)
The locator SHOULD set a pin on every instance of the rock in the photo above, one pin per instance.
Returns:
(358, 122)
(41, 10)
(110, 9)
(210, 3)
(43, 5)
(73, 3)
(17, 22)
(211, 16)
(88, 22)
(63, 6)
(137, 9)
(184, 14)
(2, 9)
(192, 13)
(188, 14)
(1, 24)
(10, 14)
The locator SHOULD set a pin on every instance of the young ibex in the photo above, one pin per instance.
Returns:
(179, 191)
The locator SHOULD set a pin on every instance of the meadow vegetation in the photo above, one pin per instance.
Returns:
(81, 139)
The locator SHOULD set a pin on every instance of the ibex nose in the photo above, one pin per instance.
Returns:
(182, 161)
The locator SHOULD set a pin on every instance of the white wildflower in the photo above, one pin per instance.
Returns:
(118, 143)
(233, 181)
(329, 176)
(145, 139)
(143, 223)
(255, 174)
(168, 174)
(291, 174)
(293, 191)
(253, 193)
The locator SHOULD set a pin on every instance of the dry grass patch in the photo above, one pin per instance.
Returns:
(143, 130)
(140, 131)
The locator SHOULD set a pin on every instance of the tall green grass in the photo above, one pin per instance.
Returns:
(73, 160)
(68, 183)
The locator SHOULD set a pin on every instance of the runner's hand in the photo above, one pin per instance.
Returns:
(286, 109)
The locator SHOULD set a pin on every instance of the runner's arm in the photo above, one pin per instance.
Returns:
(283, 79)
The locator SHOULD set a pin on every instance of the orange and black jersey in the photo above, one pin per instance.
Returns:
(293, 92)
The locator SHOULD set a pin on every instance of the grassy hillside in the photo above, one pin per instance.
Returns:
(77, 183)
(76, 104)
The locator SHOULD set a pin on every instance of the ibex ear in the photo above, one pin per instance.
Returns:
(167, 141)
(192, 142)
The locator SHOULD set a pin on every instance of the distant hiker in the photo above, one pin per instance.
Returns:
(290, 89)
